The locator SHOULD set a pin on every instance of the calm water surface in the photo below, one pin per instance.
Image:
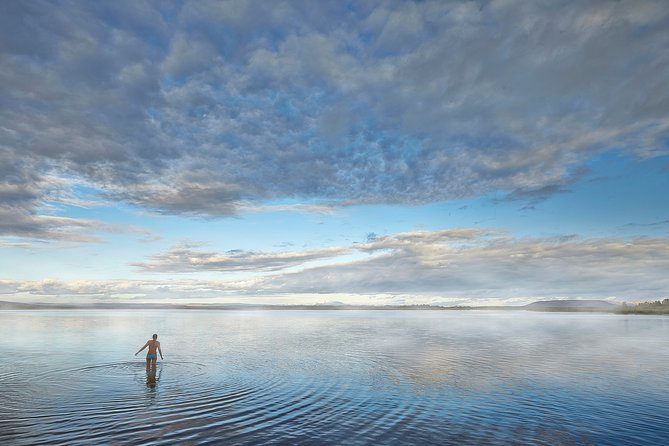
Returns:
(334, 377)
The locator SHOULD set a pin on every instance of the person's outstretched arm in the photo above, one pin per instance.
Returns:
(145, 345)
(160, 351)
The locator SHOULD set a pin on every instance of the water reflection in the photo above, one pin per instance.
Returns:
(337, 377)
(152, 377)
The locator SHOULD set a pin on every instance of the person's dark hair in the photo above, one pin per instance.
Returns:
(155, 336)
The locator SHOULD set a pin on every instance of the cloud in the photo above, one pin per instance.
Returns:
(25, 213)
(185, 259)
(23, 195)
(662, 223)
(493, 267)
(214, 108)
(455, 266)
(463, 263)
(32, 194)
(322, 208)
(118, 290)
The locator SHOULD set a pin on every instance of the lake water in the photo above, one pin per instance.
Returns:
(334, 377)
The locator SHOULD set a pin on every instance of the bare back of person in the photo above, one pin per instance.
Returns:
(153, 346)
(152, 355)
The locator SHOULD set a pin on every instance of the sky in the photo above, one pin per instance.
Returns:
(367, 152)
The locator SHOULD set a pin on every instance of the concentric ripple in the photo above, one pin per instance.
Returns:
(193, 401)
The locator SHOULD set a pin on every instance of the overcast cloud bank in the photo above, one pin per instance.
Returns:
(199, 108)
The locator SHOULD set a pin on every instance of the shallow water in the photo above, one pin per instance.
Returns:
(334, 377)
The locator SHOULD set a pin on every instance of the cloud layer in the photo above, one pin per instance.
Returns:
(465, 265)
(185, 259)
(494, 266)
(201, 108)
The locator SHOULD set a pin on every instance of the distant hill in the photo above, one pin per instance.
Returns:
(549, 305)
(571, 305)
(16, 306)
(331, 303)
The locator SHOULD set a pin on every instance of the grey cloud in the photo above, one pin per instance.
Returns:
(46, 227)
(656, 223)
(29, 200)
(206, 197)
(201, 108)
(186, 259)
(21, 197)
(21, 223)
(189, 55)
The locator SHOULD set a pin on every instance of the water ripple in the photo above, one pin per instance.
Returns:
(396, 381)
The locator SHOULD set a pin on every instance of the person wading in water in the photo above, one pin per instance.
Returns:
(152, 355)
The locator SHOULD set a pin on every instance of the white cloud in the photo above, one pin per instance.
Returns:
(472, 264)
(454, 266)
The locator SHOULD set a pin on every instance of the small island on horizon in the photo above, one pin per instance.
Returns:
(567, 306)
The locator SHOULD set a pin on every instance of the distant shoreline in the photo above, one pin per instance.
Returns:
(130, 306)
(558, 306)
